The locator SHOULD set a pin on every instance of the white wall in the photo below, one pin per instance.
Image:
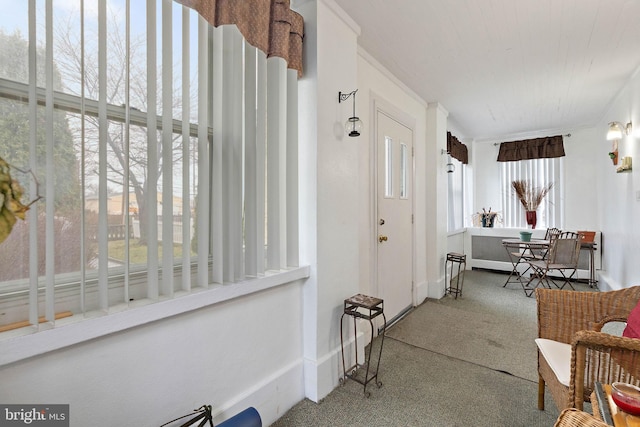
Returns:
(487, 192)
(617, 193)
(244, 352)
(329, 189)
(436, 195)
(580, 197)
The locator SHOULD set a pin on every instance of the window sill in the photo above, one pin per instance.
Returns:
(456, 232)
(78, 329)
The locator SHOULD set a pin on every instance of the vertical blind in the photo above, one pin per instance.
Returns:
(181, 159)
(539, 173)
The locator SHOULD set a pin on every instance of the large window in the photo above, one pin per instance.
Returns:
(539, 173)
(144, 130)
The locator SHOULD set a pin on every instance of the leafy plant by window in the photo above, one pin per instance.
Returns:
(10, 206)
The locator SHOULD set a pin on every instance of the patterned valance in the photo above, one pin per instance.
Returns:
(537, 148)
(269, 25)
(457, 149)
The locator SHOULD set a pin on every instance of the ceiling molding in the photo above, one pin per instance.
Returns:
(340, 12)
(388, 74)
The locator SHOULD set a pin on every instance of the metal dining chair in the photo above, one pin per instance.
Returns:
(562, 256)
(550, 234)
(526, 254)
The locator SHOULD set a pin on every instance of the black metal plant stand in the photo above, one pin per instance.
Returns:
(363, 307)
(455, 287)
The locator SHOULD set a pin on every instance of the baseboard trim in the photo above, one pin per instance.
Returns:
(323, 375)
(272, 397)
(422, 292)
(606, 283)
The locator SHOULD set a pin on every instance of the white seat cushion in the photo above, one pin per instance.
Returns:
(558, 356)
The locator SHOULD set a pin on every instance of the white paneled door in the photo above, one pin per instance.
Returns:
(394, 219)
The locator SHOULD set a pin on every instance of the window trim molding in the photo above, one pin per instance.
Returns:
(78, 329)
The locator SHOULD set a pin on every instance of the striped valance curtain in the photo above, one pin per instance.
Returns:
(269, 25)
(538, 148)
(457, 149)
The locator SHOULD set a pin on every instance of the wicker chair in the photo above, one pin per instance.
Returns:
(573, 418)
(569, 325)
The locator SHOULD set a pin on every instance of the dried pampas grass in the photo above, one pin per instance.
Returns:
(528, 195)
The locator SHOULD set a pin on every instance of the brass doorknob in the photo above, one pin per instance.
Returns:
(382, 239)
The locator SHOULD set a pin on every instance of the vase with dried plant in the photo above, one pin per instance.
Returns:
(530, 197)
(485, 218)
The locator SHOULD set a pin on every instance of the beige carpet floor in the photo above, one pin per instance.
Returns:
(447, 363)
(425, 389)
(490, 325)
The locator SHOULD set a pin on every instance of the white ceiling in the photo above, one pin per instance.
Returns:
(506, 68)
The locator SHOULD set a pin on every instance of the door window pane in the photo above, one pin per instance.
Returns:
(403, 171)
(388, 166)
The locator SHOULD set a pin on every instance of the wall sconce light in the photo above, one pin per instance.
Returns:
(617, 130)
(450, 167)
(353, 125)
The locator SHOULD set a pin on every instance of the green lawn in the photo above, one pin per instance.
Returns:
(137, 251)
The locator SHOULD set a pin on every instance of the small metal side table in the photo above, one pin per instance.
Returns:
(363, 307)
(461, 261)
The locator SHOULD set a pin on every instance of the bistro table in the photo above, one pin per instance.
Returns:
(519, 253)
